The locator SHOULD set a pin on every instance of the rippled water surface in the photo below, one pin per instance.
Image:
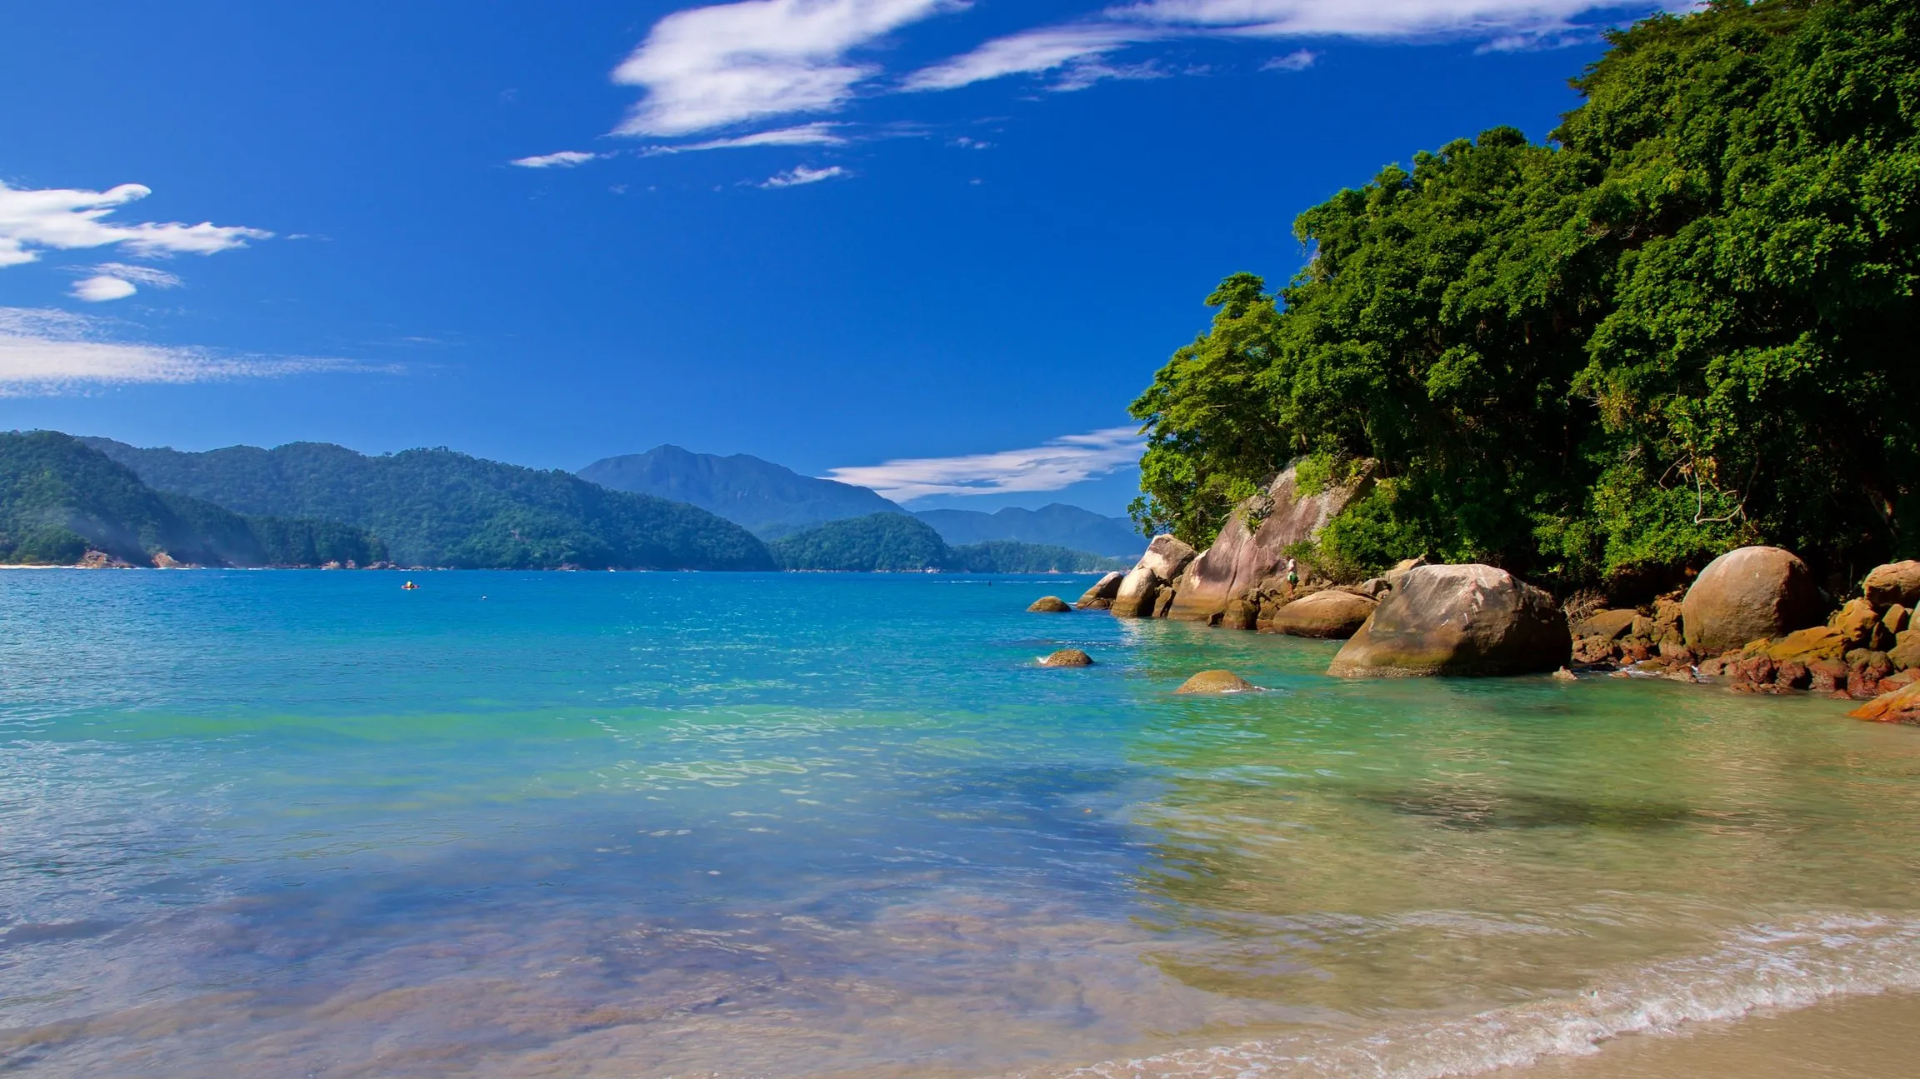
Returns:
(308, 824)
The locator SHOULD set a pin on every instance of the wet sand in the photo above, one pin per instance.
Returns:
(1863, 1037)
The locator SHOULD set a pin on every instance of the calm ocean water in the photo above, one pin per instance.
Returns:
(308, 824)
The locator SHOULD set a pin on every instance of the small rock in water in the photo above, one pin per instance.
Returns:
(1565, 675)
(1216, 682)
(1068, 657)
(1050, 605)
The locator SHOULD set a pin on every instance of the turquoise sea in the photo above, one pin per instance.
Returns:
(285, 824)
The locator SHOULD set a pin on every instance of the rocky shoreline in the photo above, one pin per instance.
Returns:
(1753, 621)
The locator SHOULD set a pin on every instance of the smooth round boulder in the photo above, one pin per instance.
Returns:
(1895, 582)
(1050, 605)
(1330, 615)
(1749, 594)
(1215, 683)
(1068, 657)
(1470, 620)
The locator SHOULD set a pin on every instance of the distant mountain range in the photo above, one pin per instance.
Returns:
(760, 496)
(60, 498)
(774, 501)
(441, 508)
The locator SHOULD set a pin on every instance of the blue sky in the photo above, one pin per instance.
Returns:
(935, 245)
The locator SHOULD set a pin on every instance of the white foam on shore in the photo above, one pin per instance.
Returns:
(1773, 966)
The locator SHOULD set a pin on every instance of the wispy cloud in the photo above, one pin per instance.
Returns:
(71, 219)
(118, 280)
(1077, 48)
(817, 134)
(712, 67)
(1031, 52)
(800, 175)
(565, 159)
(1060, 463)
(1298, 60)
(46, 352)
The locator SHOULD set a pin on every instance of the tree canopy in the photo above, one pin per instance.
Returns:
(1684, 324)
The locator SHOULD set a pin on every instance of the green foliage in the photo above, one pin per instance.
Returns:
(1686, 326)
(59, 497)
(440, 508)
(877, 543)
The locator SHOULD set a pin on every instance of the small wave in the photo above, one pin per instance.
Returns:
(1774, 966)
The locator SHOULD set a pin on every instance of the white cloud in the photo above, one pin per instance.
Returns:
(800, 175)
(1078, 47)
(818, 134)
(1365, 18)
(102, 288)
(68, 219)
(710, 67)
(565, 159)
(118, 280)
(45, 352)
(1298, 60)
(1026, 53)
(1059, 463)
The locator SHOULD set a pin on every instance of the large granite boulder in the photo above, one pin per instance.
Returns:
(1333, 614)
(1244, 558)
(1100, 596)
(1148, 585)
(1895, 582)
(1747, 595)
(1458, 620)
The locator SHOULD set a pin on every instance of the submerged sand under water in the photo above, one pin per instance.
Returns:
(654, 825)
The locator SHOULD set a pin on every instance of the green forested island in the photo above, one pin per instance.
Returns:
(1684, 324)
(59, 499)
(898, 543)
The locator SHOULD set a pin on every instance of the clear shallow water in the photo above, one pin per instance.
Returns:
(307, 824)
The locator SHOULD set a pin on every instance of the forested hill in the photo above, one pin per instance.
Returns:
(59, 499)
(897, 543)
(440, 508)
(1056, 525)
(767, 498)
(1685, 324)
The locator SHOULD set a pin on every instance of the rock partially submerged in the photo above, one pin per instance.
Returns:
(1458, 620)
(1100, 596)
(1900, 706)
(1332, 614)
(1147, 590)
(1749, 594)
(1215, 683)
(1050, 605)
(1068, 657)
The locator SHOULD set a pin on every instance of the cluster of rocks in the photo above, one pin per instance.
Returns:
(1755, 619)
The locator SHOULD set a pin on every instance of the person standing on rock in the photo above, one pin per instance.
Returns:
(1293, 576)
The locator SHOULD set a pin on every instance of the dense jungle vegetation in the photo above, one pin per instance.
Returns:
(1685, 323)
